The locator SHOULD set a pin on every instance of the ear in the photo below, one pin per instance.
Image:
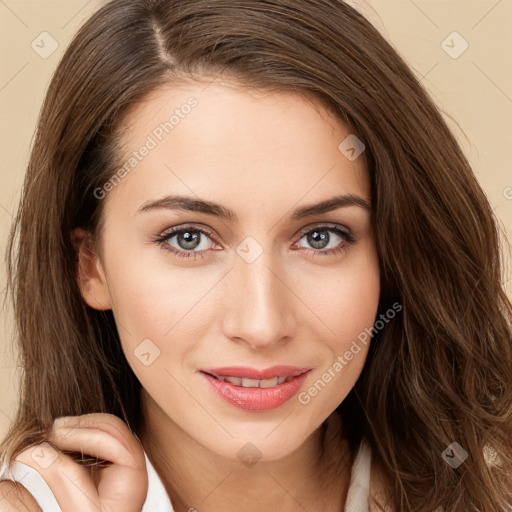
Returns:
(89, 272)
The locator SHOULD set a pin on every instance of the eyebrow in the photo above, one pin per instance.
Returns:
(176, 202)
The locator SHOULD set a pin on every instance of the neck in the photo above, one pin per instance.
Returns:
(313, 477)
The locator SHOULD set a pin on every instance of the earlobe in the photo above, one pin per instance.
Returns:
(89, 271)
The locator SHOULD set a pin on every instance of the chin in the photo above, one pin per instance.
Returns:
(259, 442)
(251, 451)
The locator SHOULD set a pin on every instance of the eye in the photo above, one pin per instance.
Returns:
(328, 240)
(189, 242)
(192, 242)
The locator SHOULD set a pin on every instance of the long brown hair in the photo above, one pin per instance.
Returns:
(439, 372)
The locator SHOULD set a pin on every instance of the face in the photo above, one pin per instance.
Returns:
(238, 272)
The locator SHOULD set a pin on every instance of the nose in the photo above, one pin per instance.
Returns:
(259, 304)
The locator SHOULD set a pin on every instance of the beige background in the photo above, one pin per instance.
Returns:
(474, 91)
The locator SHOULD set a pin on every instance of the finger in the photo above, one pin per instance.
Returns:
(109, 424)
(125, 480)
(70, 483)
(92, 441)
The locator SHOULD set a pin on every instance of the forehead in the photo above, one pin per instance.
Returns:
(214, 139)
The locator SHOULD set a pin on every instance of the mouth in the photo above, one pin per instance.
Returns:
(253, 383)
(256, 390)
(252, 378)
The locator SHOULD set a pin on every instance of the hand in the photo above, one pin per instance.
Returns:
(122, 486)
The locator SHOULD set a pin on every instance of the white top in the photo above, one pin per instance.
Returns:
(157, 499)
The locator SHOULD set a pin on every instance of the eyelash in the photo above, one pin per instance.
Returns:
(163, 240)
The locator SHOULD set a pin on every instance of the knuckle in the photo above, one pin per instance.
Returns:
(114, 426)
(114, 421)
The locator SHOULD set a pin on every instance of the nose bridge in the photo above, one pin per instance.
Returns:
(259, 309)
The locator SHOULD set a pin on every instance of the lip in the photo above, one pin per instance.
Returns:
(252, 373)
(257, 399)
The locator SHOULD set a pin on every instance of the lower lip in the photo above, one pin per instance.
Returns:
(256, 399)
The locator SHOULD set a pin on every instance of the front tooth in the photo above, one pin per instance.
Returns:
(253, 383)
(268, 383)
(237, 381)
(250, 383)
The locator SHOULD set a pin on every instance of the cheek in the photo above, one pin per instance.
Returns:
(355, 304)
(350, 310)
(345, 297)
(149, 295)
(144, 301)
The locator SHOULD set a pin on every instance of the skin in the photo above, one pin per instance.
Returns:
(261, 155)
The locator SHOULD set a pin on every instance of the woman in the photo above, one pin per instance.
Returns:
(255, 270)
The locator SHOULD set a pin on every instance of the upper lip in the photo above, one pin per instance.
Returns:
(253, 373)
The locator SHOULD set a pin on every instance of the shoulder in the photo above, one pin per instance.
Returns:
(379, 496)
(15, 498)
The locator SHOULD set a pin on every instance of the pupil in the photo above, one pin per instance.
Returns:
(318, 239)
(188, 239)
